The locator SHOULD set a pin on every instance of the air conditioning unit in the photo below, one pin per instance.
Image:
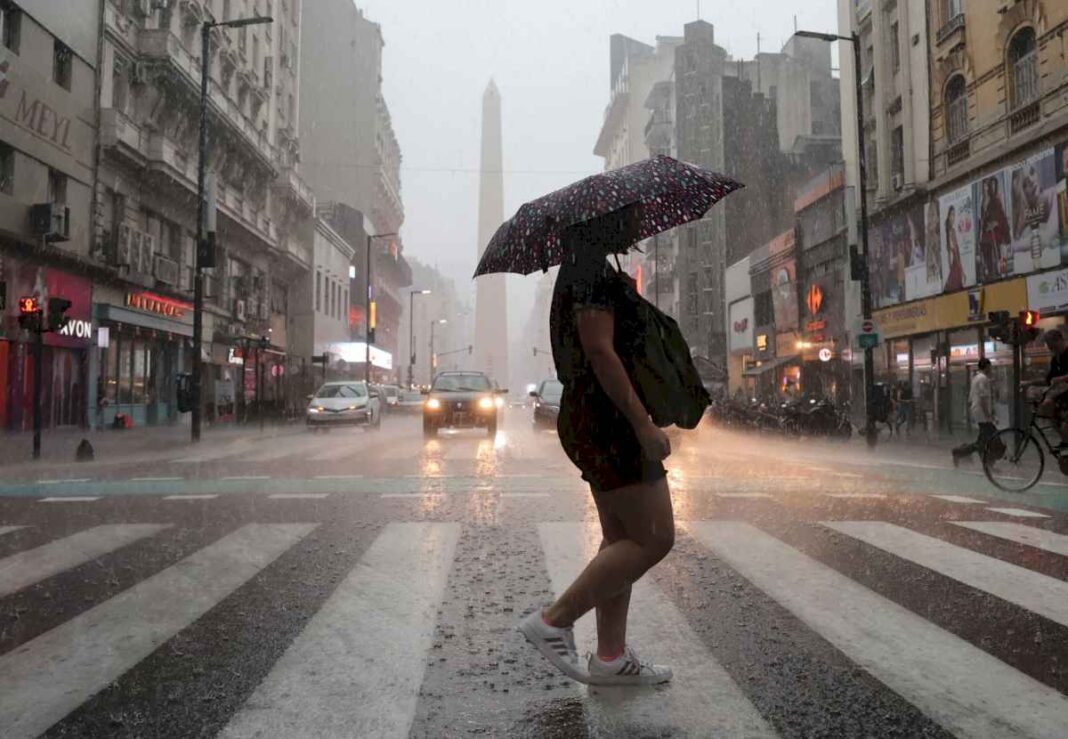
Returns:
(239, 310)
(51, 221)
(122, 245)
(135, 251)
(896, 181)
(166, 270)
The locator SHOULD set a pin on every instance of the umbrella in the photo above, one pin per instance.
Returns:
(652, 196)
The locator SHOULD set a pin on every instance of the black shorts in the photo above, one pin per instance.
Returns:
(599, 440)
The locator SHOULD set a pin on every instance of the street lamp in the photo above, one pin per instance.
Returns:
(205, 252)
(865, 285)
(411, 332)
(432, 357)
(369, 318)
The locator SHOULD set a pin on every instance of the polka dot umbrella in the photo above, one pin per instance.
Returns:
(656, 194)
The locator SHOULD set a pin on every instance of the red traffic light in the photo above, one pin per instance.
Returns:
(29, 304)
(1029, 318)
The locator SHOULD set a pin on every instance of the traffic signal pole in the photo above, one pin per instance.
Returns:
(38, 345)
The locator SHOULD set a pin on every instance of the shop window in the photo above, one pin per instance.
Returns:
(11, 18)
(138, 372)
(111, 372)
(123, 373)
(7, 169)
(62, 64)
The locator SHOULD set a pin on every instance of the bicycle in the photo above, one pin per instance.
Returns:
(1013, 459)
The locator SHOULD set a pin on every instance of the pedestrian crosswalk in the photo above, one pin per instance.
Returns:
(355, 665)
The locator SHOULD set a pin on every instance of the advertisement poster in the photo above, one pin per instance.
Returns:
(1033, 215)
(1060, 159)
(955, 211)
(888, 266)
(784, 295)
(994, 259)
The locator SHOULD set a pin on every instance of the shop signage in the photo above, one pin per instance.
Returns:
(150, 303)
(814, 299)
(78, 328)
(762, 342)
(740, 315)
(741, 326)
(1048, 291)
(825, 354)
(951, 311)
(975, 305)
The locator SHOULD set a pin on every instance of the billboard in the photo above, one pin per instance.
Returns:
(740, 316)
(957, 216)
(1035, 224)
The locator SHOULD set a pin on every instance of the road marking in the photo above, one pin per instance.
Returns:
(855, 495)
(970, 692)
(1021, 534)
(699, 679)
(298, 496)
(356, 668)
(191, 496)
(156, 479)
(339, 477)
(70, 499)
(852, 475)
(48, 677)
(246, 477)
(1038, 593)
(743, 495)
(428, 494)
(9, 529)
(33, 565)
(524, 495)
(1018, 512)
(60, 482)
(959, 499)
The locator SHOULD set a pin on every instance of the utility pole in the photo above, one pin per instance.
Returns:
(369, 318)
(411, 333)
(32, 319)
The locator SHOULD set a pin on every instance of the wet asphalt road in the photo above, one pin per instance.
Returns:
(367, 584)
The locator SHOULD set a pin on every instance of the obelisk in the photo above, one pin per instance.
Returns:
(491, 307)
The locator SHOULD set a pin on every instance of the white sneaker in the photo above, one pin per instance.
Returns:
(626, 669)
(557, 644)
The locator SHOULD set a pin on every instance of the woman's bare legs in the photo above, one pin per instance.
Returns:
(648, 524)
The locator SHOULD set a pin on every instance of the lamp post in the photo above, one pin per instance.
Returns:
(369, 308)
(865, 284)
(432, 358)
(411, 332)
(205, 252)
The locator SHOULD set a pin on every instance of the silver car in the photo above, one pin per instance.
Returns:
(344, 403)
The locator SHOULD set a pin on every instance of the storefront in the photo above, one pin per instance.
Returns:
(143, 346)
(64, 357)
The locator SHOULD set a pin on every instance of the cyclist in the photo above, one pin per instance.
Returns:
(1055, 404)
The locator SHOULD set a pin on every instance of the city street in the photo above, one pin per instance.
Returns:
(367, 583)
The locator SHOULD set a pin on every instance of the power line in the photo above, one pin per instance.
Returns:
(457, 170)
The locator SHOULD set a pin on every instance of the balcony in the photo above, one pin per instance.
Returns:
(164, 154)
(119, 132)
(291, 186)
(1024, 117)
(951, 29)
(957, 153)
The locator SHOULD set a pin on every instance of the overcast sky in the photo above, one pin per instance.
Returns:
(550, 61)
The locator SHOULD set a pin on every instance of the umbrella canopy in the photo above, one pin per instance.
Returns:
(653, 195)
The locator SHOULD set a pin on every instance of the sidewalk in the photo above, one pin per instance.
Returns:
(109, 445)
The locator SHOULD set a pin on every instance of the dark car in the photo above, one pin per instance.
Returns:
(547, 403)
(462, 400)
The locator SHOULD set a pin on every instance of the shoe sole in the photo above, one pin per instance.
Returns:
(623, 680)
(569, 669)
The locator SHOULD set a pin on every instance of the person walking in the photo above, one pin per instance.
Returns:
(981, 403)
(608, 434)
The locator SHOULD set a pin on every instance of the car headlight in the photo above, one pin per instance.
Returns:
(314, 410)
(485, 404)
(499, 402)
(433, 404)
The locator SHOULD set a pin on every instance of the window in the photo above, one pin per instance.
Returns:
(895, 48)
(951, 9)
(897, 156)
(226, 11)
(318, 291)
(7, 169)
(120, 85)
(1023, 67)
(57, 187)
(11, 18)
(62, 64)
(956, 109)
(345, 303)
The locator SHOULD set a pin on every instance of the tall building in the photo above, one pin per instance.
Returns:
(451, 339)
(351, 158)
(491, 303)
(662, 283)
(145, 206)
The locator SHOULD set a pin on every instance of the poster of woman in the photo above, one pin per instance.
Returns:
(955, 211)
(923, 276)
(1060, 156)
(1034, 218)
(994, 258)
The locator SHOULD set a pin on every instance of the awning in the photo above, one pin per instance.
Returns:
(770, 365)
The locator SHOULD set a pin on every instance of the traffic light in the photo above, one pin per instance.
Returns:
(56, 308)
(857, 264)
(30, 313)
(1001, 328)
(1028, 326)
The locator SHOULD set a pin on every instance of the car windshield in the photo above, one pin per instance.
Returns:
(411, 397)
(552, 392)
(460, 383)
(341, 391)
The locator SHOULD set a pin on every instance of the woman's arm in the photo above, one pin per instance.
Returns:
(596, 331)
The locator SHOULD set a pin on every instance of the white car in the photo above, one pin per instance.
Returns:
(342, 403)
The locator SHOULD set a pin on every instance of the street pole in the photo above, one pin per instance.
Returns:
(411, 337)
(431, 375)
(198, 274)
(865, 276)
(367, 317)
(259, 386)
(38, 343)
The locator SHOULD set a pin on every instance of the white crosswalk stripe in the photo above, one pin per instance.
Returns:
(965, 689)
(699, 681)
(1043, 595)
(9, 529)
(25, 568)
(356, 668)
(1021, 534)
(46, 678)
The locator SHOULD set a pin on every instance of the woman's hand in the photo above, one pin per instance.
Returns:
(655, 442)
